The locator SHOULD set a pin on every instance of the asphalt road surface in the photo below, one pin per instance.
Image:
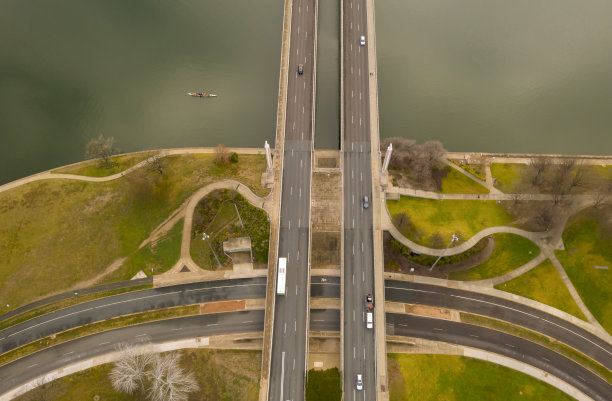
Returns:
(503, 344)
(288, 360)
(325, 287)
(498, 308)
(128, 303)
(34, 365)
(359, 342)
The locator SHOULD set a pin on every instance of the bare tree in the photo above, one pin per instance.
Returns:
(436, 240)
(538, 168)
(222, 154)
(101, 148)
(156, 164)
(580, 178)
(130, 371)
(603, 192)
(158, 376)
(169, 382)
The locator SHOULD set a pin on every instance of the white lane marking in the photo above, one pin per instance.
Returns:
(351, 69)
(352, 146)
(359, 71)
(302, 109)
(352, 119)
(359, 120)
(179, 328)
(295, 325)
(353, 315)
(295, 101)
(403, 325)
(546, 359)
(353, 199)
(296, 287)
(104, 343)
(353, 248)
(361, 148)
(473, 335)
(285, 330)
(300, 192)
(299, 9)
(141, 335)
(306, 34)
(436, 328)
(362, 176)
(290, 224)
(351, 5)
(354, 353)
(510, 345)
(582, 378)
(353, 222)
(363, 276)
(352, 93)
(351, 47)
(290, 191)
(282, 375)
(294, 364)
(294, 125)
(298, 51)
(353, 279)
(291, 152)
(304, 84)
(302, 135)
(351, 21)
(68, 353)
(298, 30)
(248, 321)
(31, 366)
(364, 353)
(352, 174)
(298, 255)
(212, 324)
(357, 6)
(361, 246)
(299, 222)
(359, 95)
(301, 163)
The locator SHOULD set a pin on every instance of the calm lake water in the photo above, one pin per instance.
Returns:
(481, 75)
(497, 75)
(71, 69)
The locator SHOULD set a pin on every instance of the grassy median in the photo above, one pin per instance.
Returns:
(97, 327)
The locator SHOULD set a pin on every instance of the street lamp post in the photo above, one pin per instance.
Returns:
(453, 239)
(205, 237)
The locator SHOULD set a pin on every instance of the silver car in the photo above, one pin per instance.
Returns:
(362, 40)
(359, 383)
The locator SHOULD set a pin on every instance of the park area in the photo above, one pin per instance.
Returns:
(58, 234)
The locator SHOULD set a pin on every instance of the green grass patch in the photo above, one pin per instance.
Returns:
(98, 327)
(543, 284)
(446, 217)
(219, 215)
(57, 233)
(93, 168)
(477, 170)
(323, 385)
(508, 175)
(228, 375)
(456, 183)
(511, 251)
(540, 339)
(457, 378)
(588, 243)
(64, 303)
(154, 258)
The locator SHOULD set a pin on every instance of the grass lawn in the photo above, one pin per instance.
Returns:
(588, 243)
(324, 385)
(57, 233)
(508, 175)
(229, 375)
(456, 378)
(457, 183)
(216, 216)
(543, 284)
(93, 168)
(447, 217)
(477, 170)
(511, 251)
(154, 258)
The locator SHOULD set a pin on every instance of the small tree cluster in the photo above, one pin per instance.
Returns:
(419, 160)
(101, 148)
(157, 376)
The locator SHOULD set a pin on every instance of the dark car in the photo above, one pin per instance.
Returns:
(300, 69)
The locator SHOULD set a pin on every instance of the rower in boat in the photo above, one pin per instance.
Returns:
(201, 94)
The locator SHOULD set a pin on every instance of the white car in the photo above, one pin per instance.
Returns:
(362, 40)
(369, 320)
(359, 383)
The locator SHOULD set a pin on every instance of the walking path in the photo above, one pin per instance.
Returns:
(547, 241)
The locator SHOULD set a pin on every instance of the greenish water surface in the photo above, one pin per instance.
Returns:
(72, 69)
(497, 75)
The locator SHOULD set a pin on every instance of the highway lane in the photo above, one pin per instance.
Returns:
(131, 302)
(498, 308)
(288, 358)
(359, 342)
(503, 344)
(325, 287)
(32, 366)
